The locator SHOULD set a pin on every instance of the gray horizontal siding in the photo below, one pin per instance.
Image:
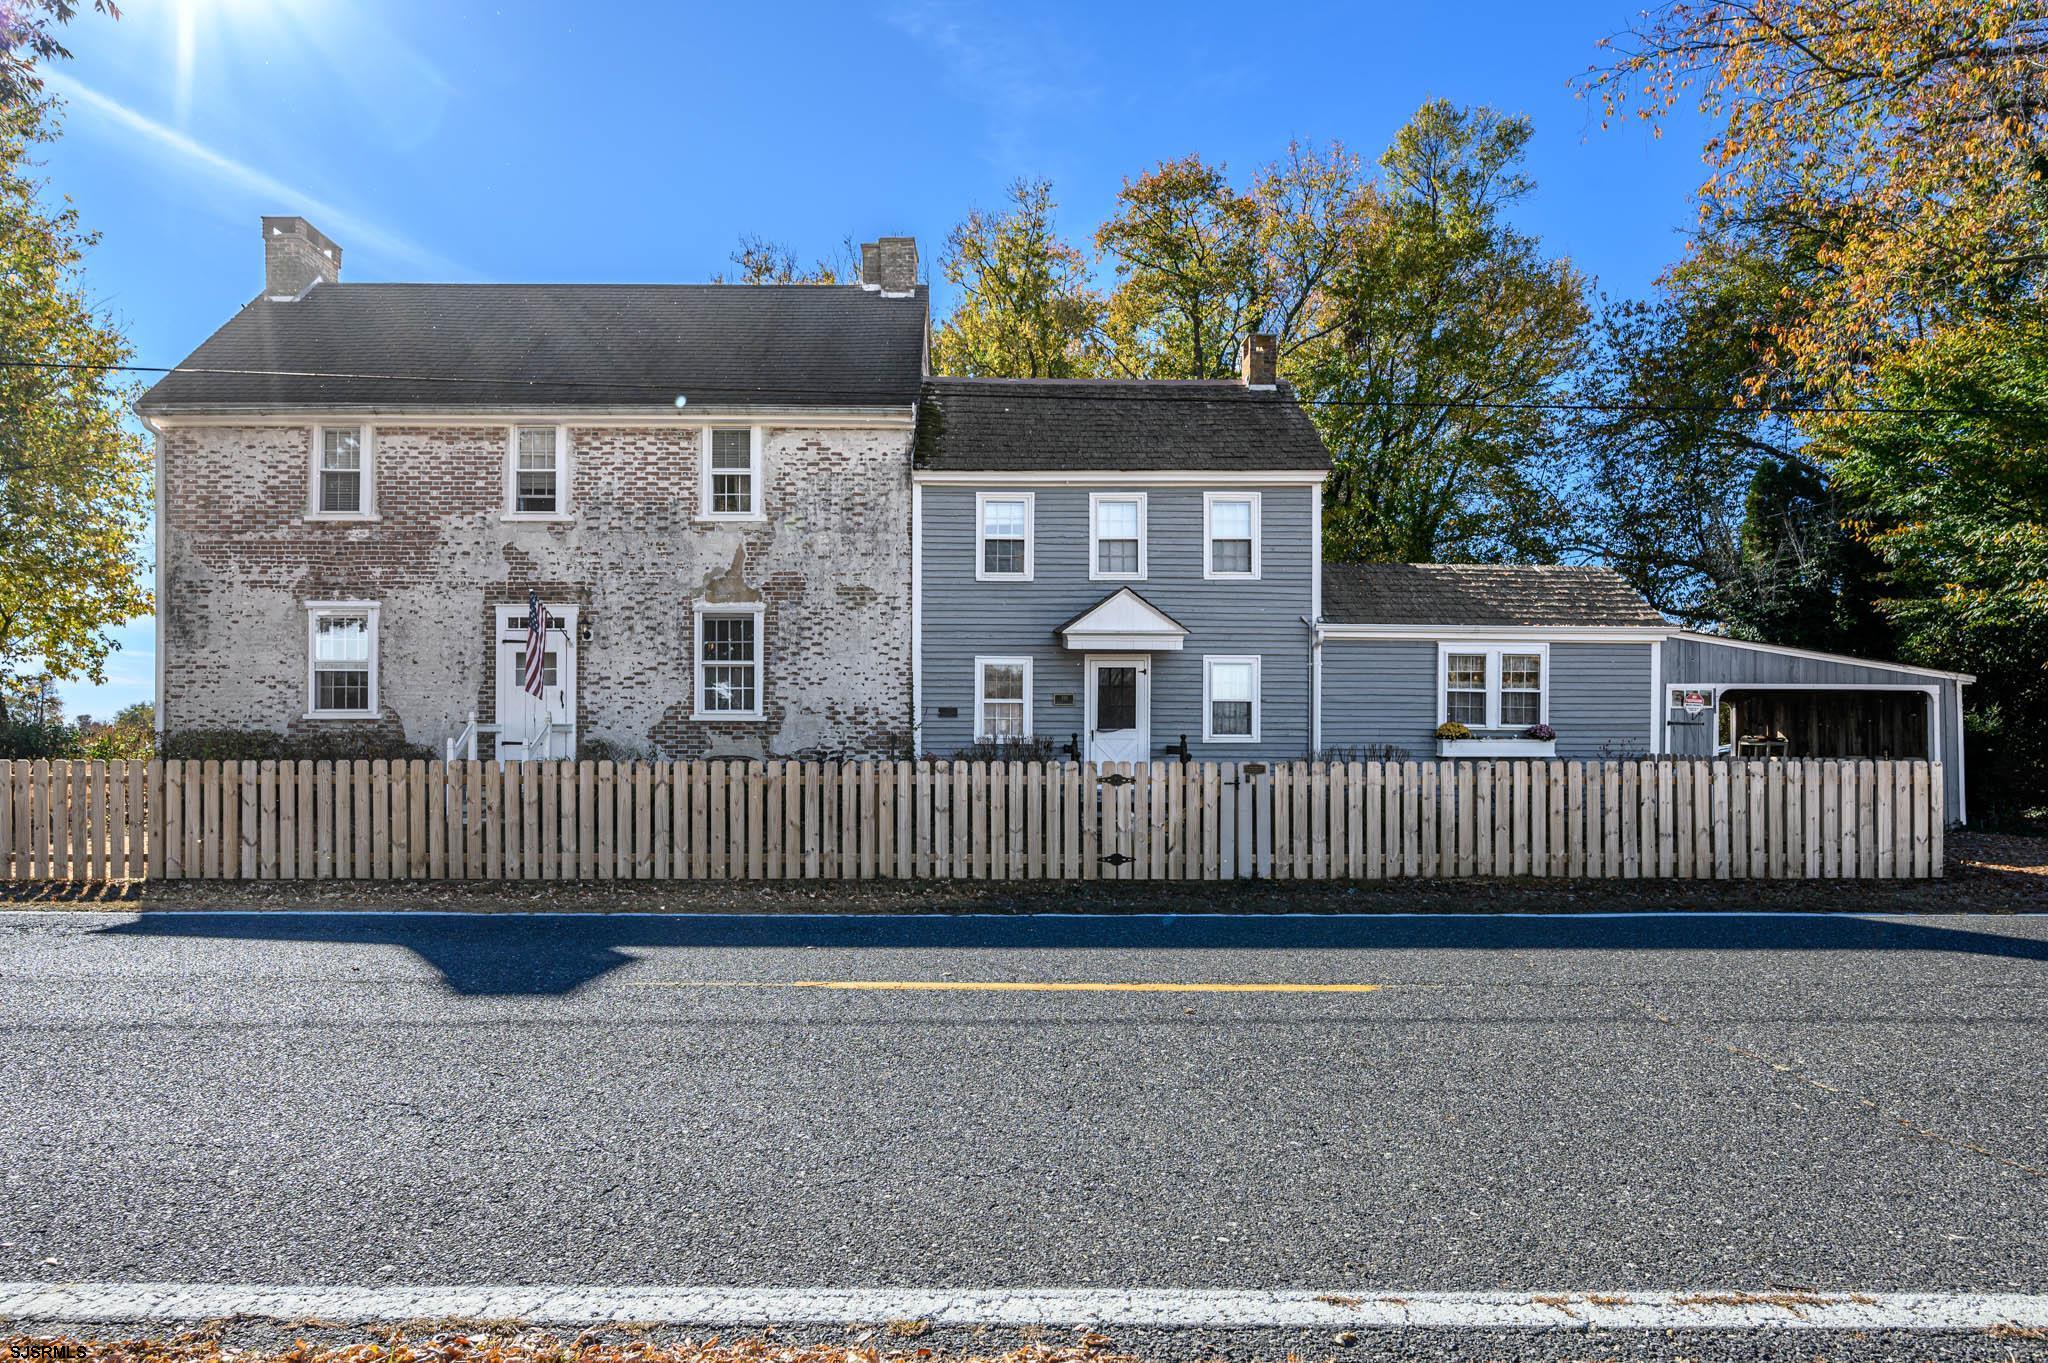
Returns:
(964, 618)
(1600, 699)
(1710, 662)
(1383, 693)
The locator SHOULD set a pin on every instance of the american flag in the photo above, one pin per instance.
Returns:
(536, 641)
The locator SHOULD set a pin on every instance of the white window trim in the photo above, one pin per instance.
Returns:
(1030, 500)
(700, 611)
(1209, 734)
(1209, 500)
(754, 470)
(365, 443)
(314, 611)
(562, 469)
(1493, 649)
(1095, 573)
(981, 663)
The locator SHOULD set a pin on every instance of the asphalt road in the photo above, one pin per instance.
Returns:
(1526, 1103)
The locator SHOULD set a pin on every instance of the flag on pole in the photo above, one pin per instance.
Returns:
(536, 642)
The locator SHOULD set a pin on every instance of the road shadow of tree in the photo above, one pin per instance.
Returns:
(543, 954)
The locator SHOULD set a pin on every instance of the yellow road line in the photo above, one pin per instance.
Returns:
(1018, 986)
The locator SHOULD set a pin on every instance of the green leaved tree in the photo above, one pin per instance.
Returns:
(74, 476)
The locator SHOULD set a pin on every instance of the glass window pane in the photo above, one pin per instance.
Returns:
(1116, 698)
(341, 449)
(1002, 681)
(1230, 556)
(1230, 520)
(732, 449)
(341, 690)
(1466, 707)
(536, 447)
(1523, 671)
(1002, 719)
(1005, 519)
(732, 493)
(1116, 520)
(1003, 556)
(1117, 556)
(1230, 681)
(537, 491)
(342, 638)
(1230, 718)
(728, 638)
(341, 491)
(1520, 708)
(1466, 670)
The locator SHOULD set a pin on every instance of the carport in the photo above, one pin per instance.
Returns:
(1790, 721)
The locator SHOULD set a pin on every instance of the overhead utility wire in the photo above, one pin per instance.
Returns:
(1066, 394)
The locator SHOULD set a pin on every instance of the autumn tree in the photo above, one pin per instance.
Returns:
(1200, 263)
(74, 477)
(28, 34)
(762, 261)
(1900, 150)
(1450, 331)
(1024, 306)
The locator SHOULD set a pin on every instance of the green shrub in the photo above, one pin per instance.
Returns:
(260, 745)
(27, 739)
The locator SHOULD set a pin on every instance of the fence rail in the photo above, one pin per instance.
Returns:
(729, 820)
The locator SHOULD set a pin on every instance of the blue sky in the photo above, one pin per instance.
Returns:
(618, 142)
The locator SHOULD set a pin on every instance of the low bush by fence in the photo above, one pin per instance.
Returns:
(283, 820)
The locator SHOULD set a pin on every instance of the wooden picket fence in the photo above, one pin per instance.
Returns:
(730, 820)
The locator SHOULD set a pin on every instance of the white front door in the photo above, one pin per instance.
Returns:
(542, 726)
(1119, 708)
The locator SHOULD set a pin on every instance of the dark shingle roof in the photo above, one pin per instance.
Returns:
(1113, 424)
(1480, 594)
(578, 345)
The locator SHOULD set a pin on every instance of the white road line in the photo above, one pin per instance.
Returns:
(569, 1305)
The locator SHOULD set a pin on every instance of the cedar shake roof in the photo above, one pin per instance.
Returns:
(1480, 594)
(1114, 425)
(451, 346)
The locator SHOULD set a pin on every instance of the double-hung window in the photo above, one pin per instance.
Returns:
(1002, 698)
(341, 472)
(1002, 536)
(1116, 536)
(537, 473)
(1230, 700)
(341, 646)
(1503, 687)
(728, 662)
(1231, 534)
(732, 473)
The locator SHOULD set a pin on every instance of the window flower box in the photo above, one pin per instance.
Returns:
(1496, 745)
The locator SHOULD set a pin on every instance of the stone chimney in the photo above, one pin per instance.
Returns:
(1259, 361)
(296, 255)
(890, 265)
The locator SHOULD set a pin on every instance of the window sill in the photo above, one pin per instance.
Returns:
(537, 517)
(1003, 577)
(1230, 738)
(1116, 577)
(1232, 577)
(343, 517)
(341, 714)
(726, 716)
(709, 518)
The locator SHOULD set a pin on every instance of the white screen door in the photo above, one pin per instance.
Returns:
(1119, 708)
(541, 726)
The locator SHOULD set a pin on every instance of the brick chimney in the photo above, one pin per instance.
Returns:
(1259, 361)
(296, 255)
(890, 265)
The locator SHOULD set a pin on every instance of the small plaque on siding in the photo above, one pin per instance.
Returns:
(949, 712)
(1063, 698)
